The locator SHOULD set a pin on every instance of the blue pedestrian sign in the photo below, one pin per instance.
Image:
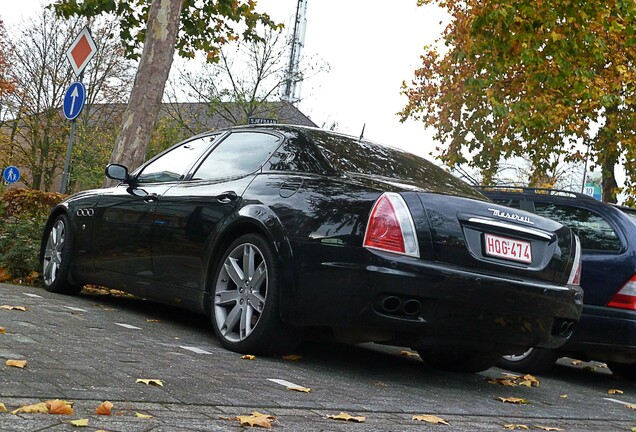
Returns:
(74, 100)
(11, 174)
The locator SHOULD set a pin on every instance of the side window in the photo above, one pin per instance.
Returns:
(174, 165)
(239, 154)
(594, 232)
(513, 203)
(293, 156)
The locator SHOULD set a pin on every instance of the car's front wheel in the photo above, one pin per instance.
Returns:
(56, 260)
(534, 360)
(458, 361)
(245, 311)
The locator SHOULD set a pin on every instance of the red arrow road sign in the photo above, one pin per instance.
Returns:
(81, 51)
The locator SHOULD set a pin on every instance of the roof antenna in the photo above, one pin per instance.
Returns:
(362, 133)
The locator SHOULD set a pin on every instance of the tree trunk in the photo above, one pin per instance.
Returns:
(608, 155)
(145, 99)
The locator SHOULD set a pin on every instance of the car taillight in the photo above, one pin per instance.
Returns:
(391, 227)
(575, 273)
(625, 298)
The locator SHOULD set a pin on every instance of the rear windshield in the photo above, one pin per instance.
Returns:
(348, 154)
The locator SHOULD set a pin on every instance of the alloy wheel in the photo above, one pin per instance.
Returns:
(53, 252)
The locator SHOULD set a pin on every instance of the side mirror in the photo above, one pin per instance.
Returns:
(117, 172)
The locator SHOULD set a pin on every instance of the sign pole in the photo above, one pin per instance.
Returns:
(64, 184)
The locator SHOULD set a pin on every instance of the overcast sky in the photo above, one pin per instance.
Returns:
(371, 47)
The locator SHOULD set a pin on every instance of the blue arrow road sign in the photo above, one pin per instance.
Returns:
(11, 174)
(74, 100)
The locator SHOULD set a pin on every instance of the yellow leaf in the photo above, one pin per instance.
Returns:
(563, 396)
(3, 408)
(408, 354)
(516, 426)
(16, 363)
(3, 330)
(576, 362)
(154, 382)
(630, 406)
(80, 423)
(140, 415)
(248, 357)
(533, 381)
(502, 381)
(104, 408)
(300, 389)
(615, 391)
(548, 428)
(430, 419)
(18, 308)
(32, 409)
(513, 400)
(292, 357)
(347, 417)
(256, 419)
(58, 406)
(153, 320)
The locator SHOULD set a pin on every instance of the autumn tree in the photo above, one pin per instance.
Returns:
(544, 80)
(162, 26)
(38, 132)
(6, 86)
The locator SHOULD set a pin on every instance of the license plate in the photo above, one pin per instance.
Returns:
(502, 247)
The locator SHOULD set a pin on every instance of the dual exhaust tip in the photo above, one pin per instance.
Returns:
(394, 305)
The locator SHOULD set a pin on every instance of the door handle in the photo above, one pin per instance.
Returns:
(226, 197)
(151, 198)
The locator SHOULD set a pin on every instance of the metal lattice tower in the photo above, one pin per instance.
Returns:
(294, 78)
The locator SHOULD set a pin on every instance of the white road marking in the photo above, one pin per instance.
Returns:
(128, 326)
(32, 295)
(195, 350)
(284, 383)
(75, 309)
(617, 401)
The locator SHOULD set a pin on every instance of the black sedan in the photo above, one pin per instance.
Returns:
(270, 229)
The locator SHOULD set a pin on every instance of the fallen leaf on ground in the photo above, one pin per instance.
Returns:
(3, 407)
(347, 417)
(58, 406)
(16, 363)
(564, 396)
(548, 428)
(631, 406)
(153, 320)
(300, 389)
(291, 357)
(381, 384)
(256, 419)
(141, 415)
(104, 409)
(409, 354)
(32, 409)
(248, 357)
(602, 365)
(430, 419)
(516, 426)
(576, 362)
(512, 400)
(154, 382)
(80, 423)
(18, 308)
(3, 330)
(529, 381)
(502, 381)
(615, 391)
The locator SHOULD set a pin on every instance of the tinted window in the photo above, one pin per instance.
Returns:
(514, 203)
(349, 154)
(239, 154)
(297, 156)
(174, 164)
(593, 231)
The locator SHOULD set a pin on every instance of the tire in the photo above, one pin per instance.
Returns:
(535, 360)
(57, 257)
(459, 361)
(623, 370)
(245, 300)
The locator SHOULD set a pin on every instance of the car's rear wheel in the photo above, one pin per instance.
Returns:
(459, 361)
(534, 360)
(245, 302)
(56, 260)
(625, 370)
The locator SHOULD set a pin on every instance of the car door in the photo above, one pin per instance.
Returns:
(125, 214)
(188, 214)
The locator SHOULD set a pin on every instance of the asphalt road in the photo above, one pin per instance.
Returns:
(89, 349)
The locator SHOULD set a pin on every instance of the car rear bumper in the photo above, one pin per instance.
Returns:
(605, 334)
(408, 301)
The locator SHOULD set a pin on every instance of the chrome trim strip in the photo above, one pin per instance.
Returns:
(510, 226)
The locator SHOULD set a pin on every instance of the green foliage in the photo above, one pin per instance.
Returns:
(23, 214)
(205, 25)
(537, 79)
